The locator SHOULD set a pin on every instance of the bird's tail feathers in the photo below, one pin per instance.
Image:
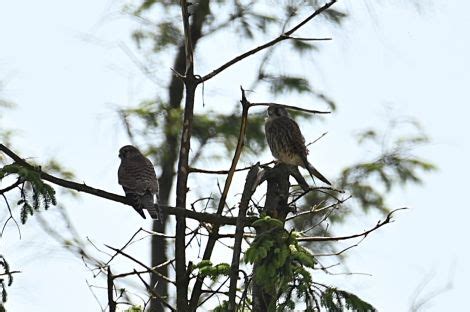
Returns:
(314, 172)
(147, 201)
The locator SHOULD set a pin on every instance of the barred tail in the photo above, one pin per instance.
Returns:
(152, 208)
(314, 172)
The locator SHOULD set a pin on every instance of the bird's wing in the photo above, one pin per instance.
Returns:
(151, 177)
(126, 177)
(292, 136)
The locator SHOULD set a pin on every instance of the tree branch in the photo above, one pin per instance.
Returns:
(280, 38)
(199, 170)
(139, 263)
(300, 109)
(250, 186)
(82, 187)
(111, 302)
(213, 235)
(152, 292)
(9, 188)
(379, 224)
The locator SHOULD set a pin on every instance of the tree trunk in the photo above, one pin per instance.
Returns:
(275, 206)
(170, 156)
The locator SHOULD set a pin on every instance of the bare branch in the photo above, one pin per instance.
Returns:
(192, 169)
(379, 224)
(280, 38)
(214, 233)
(153, 293)
(140, 263)
(309, 39)
(82, 187)
(300, 109)
(250, 186)
(9, 188)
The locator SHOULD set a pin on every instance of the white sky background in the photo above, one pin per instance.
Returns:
(66, 89)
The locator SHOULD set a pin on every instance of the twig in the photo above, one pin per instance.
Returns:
(151, 291)
(9, 188)
(192, 169)
(379, 224)
(341, 251)
(140, 263)
(309, 39)
(300, 109)
(90, 287)
(9, 218)
(338, 202)
(144, 271)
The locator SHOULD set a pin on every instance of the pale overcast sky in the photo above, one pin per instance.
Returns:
(387, 59)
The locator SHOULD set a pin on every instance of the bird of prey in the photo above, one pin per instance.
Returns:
(286, 142)
(139, 181)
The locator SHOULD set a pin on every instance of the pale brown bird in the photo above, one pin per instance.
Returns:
(139, 181)
(286, 142)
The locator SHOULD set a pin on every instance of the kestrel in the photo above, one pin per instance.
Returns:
(139, 181)
(286, 142)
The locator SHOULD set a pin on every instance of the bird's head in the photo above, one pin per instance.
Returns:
(128, 151)
(275, 111)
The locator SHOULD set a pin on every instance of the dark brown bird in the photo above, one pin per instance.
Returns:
(139, 181)
(286, 142)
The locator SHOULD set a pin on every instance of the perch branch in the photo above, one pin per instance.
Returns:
(82, 187)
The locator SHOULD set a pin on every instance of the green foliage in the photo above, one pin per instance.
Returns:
(207, 128)
(166, 35)
(370, 182)
(334, 15)
(281, 263)
(34, 192)
(207, 269)
(135, 309)
(282, 270)
(303, 46)
(225, 128)
(223, 307)
(283, 83)
(335, 300)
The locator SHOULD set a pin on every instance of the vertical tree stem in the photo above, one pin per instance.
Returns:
(182, 178)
